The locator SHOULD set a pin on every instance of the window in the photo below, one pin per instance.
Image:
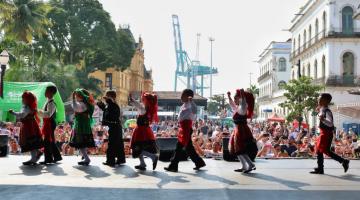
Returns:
(310, 35)
(305, 39)
(316, 29)
(323, 66)
(308, 70)
(293, 75)
(347, 20)
(348, 64)
(315, 70)
(282, 65)
(303, 71)
(299, 42)
(108, 80)
(324, 23)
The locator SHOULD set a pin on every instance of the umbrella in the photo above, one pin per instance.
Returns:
(130, 123)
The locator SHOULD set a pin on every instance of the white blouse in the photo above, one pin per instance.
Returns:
(241, 109)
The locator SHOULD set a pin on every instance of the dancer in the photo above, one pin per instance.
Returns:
(111, 119)
(82, 137)
(323, 145)
(143, 139)
(30, 134)
(242, 138)
(52, 153)
(186, 116)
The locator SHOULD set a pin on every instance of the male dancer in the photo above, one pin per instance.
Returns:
(111, 118)
(323, 145)
(186, 116)
(52, 153)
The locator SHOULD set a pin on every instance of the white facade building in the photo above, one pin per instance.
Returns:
(326, 45)
(275, 69)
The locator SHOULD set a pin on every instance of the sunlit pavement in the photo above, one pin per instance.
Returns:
(273, 179)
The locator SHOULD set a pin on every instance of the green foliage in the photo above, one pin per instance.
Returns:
(217, 104)
(66, 39)
(254, 90)
(301, 97)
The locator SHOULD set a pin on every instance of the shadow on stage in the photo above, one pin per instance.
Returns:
(289, 183)
(14, 192)
(92, 171)
(37, 170)
(210, 177)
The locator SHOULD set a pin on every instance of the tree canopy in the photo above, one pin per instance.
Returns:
(301, 97)
(62, 41)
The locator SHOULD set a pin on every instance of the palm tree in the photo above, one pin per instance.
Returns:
(254, 90)
(24, 19)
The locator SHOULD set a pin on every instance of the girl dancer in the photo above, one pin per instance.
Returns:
(143, 139)
(241, 138)
(82, 137)
(30, 134)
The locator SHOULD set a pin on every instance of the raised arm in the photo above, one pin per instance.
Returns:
(23, 112)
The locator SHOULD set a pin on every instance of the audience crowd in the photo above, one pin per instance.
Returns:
(274, 140)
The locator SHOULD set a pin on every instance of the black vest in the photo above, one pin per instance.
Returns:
(53, 116)
(239, 119)
(324, 126)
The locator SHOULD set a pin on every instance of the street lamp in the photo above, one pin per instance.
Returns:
(4, 60)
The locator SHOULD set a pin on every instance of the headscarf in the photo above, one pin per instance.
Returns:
(88, 99)
(151, 106)
(32, 103)
(250, 100)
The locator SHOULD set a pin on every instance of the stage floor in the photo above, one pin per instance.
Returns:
(273, 179)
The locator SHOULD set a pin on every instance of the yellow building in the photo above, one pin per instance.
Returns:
(136, 78)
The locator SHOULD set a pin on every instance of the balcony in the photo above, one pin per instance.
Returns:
(334, 33)
(264, 76)
(263, 98)
(339, 81)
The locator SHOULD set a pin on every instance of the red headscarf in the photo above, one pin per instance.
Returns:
(150, 101)
(250, 100)
(31, 101)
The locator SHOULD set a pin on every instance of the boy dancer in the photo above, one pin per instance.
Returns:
(111, 119)
(323, 145)
(186, 116)
(52, 153)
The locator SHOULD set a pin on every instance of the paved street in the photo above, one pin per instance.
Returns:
(274, 179)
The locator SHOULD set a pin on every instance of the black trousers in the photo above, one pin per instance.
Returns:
(320, 158)
(51, 150)
(190, 151)
(115, 145)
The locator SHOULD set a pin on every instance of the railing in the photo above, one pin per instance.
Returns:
(333, 33)
(265, 75)
(262, 98)
(339, 81)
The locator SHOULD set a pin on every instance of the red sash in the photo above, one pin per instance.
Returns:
(184, 135)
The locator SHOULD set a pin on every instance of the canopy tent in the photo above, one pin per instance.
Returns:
(130, 123)
(303, 124)
(276, 118)
(12, 99)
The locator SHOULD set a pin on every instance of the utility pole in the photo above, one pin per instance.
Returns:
(250, 74)
(211, 65)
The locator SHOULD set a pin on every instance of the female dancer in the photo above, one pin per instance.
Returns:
(30, 134)
(143, 139)
(241, 138)
(82, 137)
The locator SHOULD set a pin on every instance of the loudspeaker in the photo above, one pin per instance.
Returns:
(4, 140)
(226, 152)
(167, 148)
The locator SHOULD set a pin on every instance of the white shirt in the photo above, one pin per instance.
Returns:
(241, 109)
(328, 120)
(50, 108)
(25, 110)
(79, 107)
(188, 111)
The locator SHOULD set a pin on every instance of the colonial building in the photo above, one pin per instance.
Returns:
(136, 78)
(326, 47)
(275, 70)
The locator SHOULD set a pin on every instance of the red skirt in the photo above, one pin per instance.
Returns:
(184, 135)
(47, 130)
(324, 141)
(239, 139)
(143, 139)
(30, 136)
